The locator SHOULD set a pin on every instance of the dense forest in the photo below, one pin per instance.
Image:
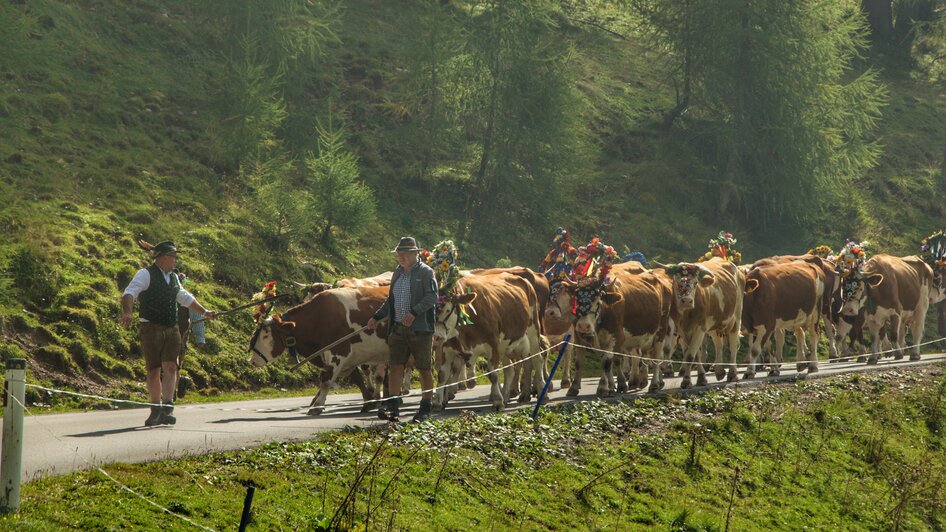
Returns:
(296, 140)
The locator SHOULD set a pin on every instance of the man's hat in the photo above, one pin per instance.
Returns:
(406, 244)
(163, 248)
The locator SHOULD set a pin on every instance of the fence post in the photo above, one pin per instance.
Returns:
(545, 389)
(11, 453)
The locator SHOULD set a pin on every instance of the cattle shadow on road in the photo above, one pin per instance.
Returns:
(109, 432)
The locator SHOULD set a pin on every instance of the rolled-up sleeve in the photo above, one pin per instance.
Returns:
(139, 283)
(184, 298)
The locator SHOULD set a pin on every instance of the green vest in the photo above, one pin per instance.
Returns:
(159, 301)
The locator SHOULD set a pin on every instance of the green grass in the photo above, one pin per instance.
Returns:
(852, 452)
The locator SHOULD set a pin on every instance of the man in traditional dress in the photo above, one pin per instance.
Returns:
(159, 291)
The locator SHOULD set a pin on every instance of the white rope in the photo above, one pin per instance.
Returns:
(100, 470)
(839, 359)
(332, 407)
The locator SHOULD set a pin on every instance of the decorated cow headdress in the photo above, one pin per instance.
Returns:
(723, 246)
(933, 249)
(590, 272)
(851, 257)
(262, 311)
(558, 262)
(443, 260)
(825, 252)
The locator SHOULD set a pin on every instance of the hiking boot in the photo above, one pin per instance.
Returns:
(167, 415)
(423, 413)
(154, 417)
(392, 410)
(184, 383)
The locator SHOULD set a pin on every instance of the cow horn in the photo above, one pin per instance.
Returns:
(658, 264)
(145, 245)
(300, 285)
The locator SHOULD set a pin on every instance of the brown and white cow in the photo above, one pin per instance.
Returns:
(783, 296)
(327, 317)
(707, 301)
(630, 317)
(504, 312)
(383, 279)
(894, 289)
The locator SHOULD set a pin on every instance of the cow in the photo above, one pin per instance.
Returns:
(629, 316)
(707, 301)
(780, 296)
(505, 323)
(894, 289)
(831, 300)
(383, 279)
(327, 317)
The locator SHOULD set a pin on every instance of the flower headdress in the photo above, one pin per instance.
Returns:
(933, 249)
(262, 311)
(723, 246)
(594, 262)
(443, 260)
(558, 262)
(825, 252)
(851, 257)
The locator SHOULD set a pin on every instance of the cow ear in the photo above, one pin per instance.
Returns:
(874, 280)
(611, 298)
(707, 280)
(751, 285)
(465, 299)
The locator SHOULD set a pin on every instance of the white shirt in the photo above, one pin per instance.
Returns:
(142, 280)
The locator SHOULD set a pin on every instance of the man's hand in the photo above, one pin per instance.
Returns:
(372, 324)
(210, 315)
(408, 320)
(125, 319)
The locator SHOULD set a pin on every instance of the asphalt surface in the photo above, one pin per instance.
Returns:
(60, 443)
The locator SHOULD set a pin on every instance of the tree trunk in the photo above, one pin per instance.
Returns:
(480, 177)
(908, 14)
(880, 17)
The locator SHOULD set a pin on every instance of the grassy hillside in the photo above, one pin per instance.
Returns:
(110, 121)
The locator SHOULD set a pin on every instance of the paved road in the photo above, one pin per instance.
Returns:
(60, 443)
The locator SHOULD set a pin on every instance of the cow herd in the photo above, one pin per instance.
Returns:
(637, 320)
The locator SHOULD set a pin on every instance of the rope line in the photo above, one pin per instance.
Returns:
(110, 477)
(332, 407)
(839, 359)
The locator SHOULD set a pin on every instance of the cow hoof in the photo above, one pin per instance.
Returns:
(654, 388)
(368, 407)
(667, 372)
(622, 387)
(685, 383)
(861, 359)
(315, 410)
(915, 357)
(680, 373)
(720, 371)
(800, 367)
(733, 376)
(573, 391)
(470, 384)
(499, 407)
(774, 373)
(748, 375)
(513, 391)
(565, 383)
(872, 361)
(461, 386)
(701, 380)
(525, 398)
(812, 368)
(898, 356)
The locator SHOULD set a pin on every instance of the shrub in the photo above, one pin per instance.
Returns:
(35, 280)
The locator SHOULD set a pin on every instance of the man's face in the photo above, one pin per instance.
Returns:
(406, 259)
(166, 262)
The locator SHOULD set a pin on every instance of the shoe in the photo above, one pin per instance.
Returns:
(183, 384)
(423, 414)
(393, 410)
(167, 415)
(154, 417)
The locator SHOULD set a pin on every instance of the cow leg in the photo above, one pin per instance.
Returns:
(517, 376)
(755, 352)
(691, 356)
(456, 375)
(733, 371)
(575, 388)
(606, 383)
(831, 333)
(813, 337)
(408, 374)
(566, 365)
(718, 368)
(495, 393)
(326, 379)
(841, 331)
(444, 374)
(875, 329)
(779, 353)
(918, 327)
(470, 370)
(801, 354)
(899, 328)
(638, 370)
